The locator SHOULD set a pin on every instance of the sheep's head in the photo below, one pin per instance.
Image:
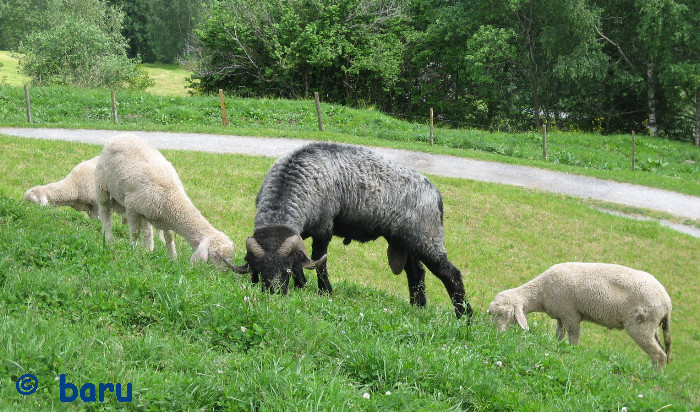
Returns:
(505, 310)
(218, 248)
(36, 195)
(273, 253)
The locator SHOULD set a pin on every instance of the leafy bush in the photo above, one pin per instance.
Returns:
(82, 50)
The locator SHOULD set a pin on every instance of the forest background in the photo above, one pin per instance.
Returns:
(606, 66)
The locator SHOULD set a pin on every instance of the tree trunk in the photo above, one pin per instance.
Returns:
(536, 105)
(653, 126)
(697, 118)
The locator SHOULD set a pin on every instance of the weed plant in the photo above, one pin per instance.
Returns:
(194, 338)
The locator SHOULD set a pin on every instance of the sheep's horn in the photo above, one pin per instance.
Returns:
(238, 269)
(292, 243)
(253, 247)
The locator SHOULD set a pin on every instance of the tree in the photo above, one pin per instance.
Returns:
(81, 45)
(135, 28)
(171, 25)
(18, 18)
(349, 50)
(653, 45)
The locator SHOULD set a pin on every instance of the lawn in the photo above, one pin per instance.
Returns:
(193, 338)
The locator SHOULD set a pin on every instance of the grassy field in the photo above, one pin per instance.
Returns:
(9, 70)
(170, 79)
(166, 106)
(193, 338)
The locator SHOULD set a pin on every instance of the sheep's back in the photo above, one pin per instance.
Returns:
(607, 294)
(357, 193)
(136, 174)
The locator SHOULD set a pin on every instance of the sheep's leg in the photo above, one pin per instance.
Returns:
(415, 273)
(643, 335)
(298, 275)
(319, 247)
(561, 332)
(134, 220)
(573, 327)
(105, 214)
(146, 235)
(169, 240)
(92, 212)
(452, 279)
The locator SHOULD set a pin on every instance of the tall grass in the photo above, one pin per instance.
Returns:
(193, 338)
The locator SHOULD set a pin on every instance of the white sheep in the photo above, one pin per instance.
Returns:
(77, 190)
(134, 174)
(610, 295)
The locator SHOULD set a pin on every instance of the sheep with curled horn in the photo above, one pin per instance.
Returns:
(323, 190)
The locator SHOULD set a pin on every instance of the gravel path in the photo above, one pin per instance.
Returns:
(677, 204)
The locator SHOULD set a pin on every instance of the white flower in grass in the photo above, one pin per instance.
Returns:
(246, 299)
(640, 395)
(499, 364)
(366, 395)
(362, 315)
(243, 329)
(388, 393)
(623, 409)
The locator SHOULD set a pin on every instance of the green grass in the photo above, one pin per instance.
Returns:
(9, 71)
(193, 338)
(170, 79)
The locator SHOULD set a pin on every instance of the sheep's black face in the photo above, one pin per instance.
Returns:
(274, 254)
(274, 271)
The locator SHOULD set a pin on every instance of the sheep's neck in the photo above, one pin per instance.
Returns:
(192, 225)
(531, 293)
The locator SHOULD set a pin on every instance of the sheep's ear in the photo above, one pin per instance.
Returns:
(520, 317)
(397, 258)
(202, 252)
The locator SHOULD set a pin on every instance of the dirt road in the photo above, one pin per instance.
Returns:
(677, 204)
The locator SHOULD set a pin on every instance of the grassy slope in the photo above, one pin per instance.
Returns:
(170, 79)
(9, 70)
(71, 306)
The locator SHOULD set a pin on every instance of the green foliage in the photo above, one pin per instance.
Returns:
(346, 49)
(194, 338)
(82, 45)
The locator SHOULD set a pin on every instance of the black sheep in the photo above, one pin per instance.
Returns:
(323, 190)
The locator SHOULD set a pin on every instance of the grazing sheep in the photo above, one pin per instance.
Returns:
(323, 190)
(77, 190)
(610, 295)
(135, 175)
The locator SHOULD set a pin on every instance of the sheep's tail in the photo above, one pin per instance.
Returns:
(665, 327)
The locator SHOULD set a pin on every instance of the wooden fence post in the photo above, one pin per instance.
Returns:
(633, 150)
(28, 103)
(224, 121)
(544, 141)
(432, 129)
(318, 111)
(115, 118)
